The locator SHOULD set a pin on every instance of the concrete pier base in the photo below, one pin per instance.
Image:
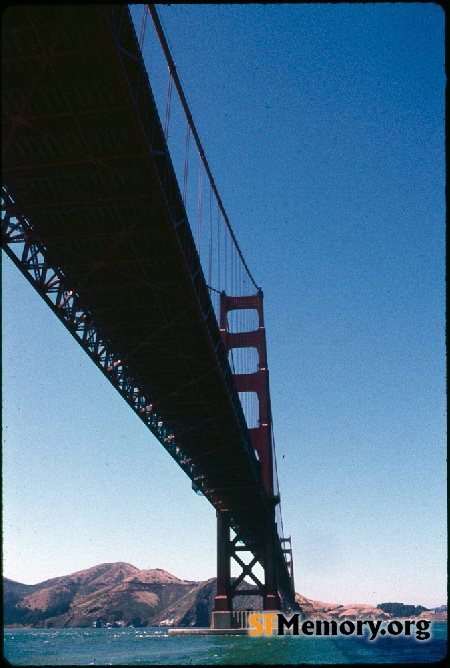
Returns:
(222, 623)
(234, 619)
(208, 632)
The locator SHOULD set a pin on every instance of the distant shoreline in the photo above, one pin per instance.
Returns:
(119, 595)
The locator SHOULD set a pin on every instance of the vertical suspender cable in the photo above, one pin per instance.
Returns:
(218, 249)
(200, 205)
(143, 26)
(169, 98)
(226, 261)
(186, 163)
(210, 238)
(190, 120)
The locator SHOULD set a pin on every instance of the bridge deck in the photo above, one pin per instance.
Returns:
(85, 159)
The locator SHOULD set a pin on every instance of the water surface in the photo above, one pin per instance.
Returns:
(154, 646)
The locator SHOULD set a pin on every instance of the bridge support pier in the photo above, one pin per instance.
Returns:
(271, 596)
(227, 548)
(223, 601)
(261, 438)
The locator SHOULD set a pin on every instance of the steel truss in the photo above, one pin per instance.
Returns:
(21, 243)
(135, 72)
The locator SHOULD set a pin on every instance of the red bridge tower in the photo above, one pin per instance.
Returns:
(261, 437)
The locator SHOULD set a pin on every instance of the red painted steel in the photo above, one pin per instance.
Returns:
(261, 438)
(223, 600)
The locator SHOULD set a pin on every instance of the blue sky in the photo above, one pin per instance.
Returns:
(323, 125)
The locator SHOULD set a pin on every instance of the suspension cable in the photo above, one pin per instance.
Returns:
(173, 78)
(173, 71)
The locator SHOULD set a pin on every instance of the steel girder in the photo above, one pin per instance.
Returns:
(29, 254)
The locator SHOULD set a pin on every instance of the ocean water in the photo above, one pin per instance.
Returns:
(154, 646)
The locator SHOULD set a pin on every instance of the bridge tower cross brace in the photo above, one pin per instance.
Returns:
(261, 437)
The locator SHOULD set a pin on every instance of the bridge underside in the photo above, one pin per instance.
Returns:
(86, 166)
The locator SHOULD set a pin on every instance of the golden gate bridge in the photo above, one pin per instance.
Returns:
(94, 217)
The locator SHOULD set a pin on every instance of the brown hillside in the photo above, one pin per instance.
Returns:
(120, 594)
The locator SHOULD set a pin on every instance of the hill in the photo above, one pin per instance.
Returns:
(116, 594)
(120, 594)
(105, 594)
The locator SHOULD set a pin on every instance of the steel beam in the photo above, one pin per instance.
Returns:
(30, 255)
